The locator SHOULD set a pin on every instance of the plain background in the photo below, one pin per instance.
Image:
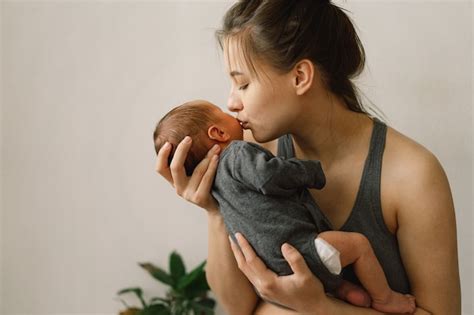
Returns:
(83, 84)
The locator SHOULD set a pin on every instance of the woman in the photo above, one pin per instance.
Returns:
(291, 65)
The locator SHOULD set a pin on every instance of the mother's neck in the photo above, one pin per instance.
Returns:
(327, 130)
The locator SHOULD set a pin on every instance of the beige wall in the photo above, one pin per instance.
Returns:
(84, 83)
(1, 163)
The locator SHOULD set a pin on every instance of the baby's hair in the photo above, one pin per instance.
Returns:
(189, 119)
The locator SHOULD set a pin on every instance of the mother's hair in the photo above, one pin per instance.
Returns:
(283, 32)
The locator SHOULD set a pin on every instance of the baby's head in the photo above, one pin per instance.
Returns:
(204, 122)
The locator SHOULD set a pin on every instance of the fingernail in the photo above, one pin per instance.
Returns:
(166, 145)
(237, 235)
(216, 148)
(215, 157)
(286, 247)
(187, 139)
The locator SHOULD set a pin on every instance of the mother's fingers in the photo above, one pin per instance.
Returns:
(252, 262)
(162, 166)
(213, 151)
(239, 257)
(294, 259)
(202, 168)
(177, 164)
(241, 263)
(206, 178)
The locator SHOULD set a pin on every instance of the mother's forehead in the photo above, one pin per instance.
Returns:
(237, 61)
(242, 64)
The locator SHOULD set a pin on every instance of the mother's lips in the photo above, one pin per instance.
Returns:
(243, 124)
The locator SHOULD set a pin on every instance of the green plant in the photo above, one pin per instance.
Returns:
(187, 294)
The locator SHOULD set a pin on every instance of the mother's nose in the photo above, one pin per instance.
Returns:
(234, 104)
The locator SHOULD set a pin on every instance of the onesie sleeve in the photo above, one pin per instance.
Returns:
(258, 168)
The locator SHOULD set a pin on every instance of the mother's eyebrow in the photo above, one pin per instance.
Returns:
(235, 73)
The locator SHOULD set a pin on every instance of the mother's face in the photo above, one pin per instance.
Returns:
(263, 101)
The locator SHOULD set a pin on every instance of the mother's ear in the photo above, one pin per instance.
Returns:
(216, 133)
(304, 72)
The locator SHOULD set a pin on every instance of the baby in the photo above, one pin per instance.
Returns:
(266, 199)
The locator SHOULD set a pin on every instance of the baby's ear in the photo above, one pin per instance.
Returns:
(216, 133)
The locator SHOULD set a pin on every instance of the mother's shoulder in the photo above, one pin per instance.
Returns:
(415, 188)
(412, 178)
(407, 162)
(402, 151)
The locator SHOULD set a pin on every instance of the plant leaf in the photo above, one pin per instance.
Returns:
(176, 265)
(158, 273)
(153, 300)
(135, 290)
(207, 302)
(156, 309)
(138, 292)
(205, 305)
(198, 287)
(190, 277)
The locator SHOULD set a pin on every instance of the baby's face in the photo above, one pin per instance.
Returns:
(229, 122)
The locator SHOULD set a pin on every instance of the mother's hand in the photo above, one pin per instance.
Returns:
(301, 291)
(195, 189)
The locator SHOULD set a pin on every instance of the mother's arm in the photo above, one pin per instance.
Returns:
(427, 234)
(232, 289)
(230, 286)
(301, 291)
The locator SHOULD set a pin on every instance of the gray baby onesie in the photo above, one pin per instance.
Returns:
(266, 199)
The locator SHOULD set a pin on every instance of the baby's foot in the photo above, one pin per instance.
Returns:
(396, 303)
(353, 294)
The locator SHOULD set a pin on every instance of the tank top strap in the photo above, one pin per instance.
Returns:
(368, 202)
(373, 167)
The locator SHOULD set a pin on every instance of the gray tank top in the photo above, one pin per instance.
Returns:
(366, 215)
